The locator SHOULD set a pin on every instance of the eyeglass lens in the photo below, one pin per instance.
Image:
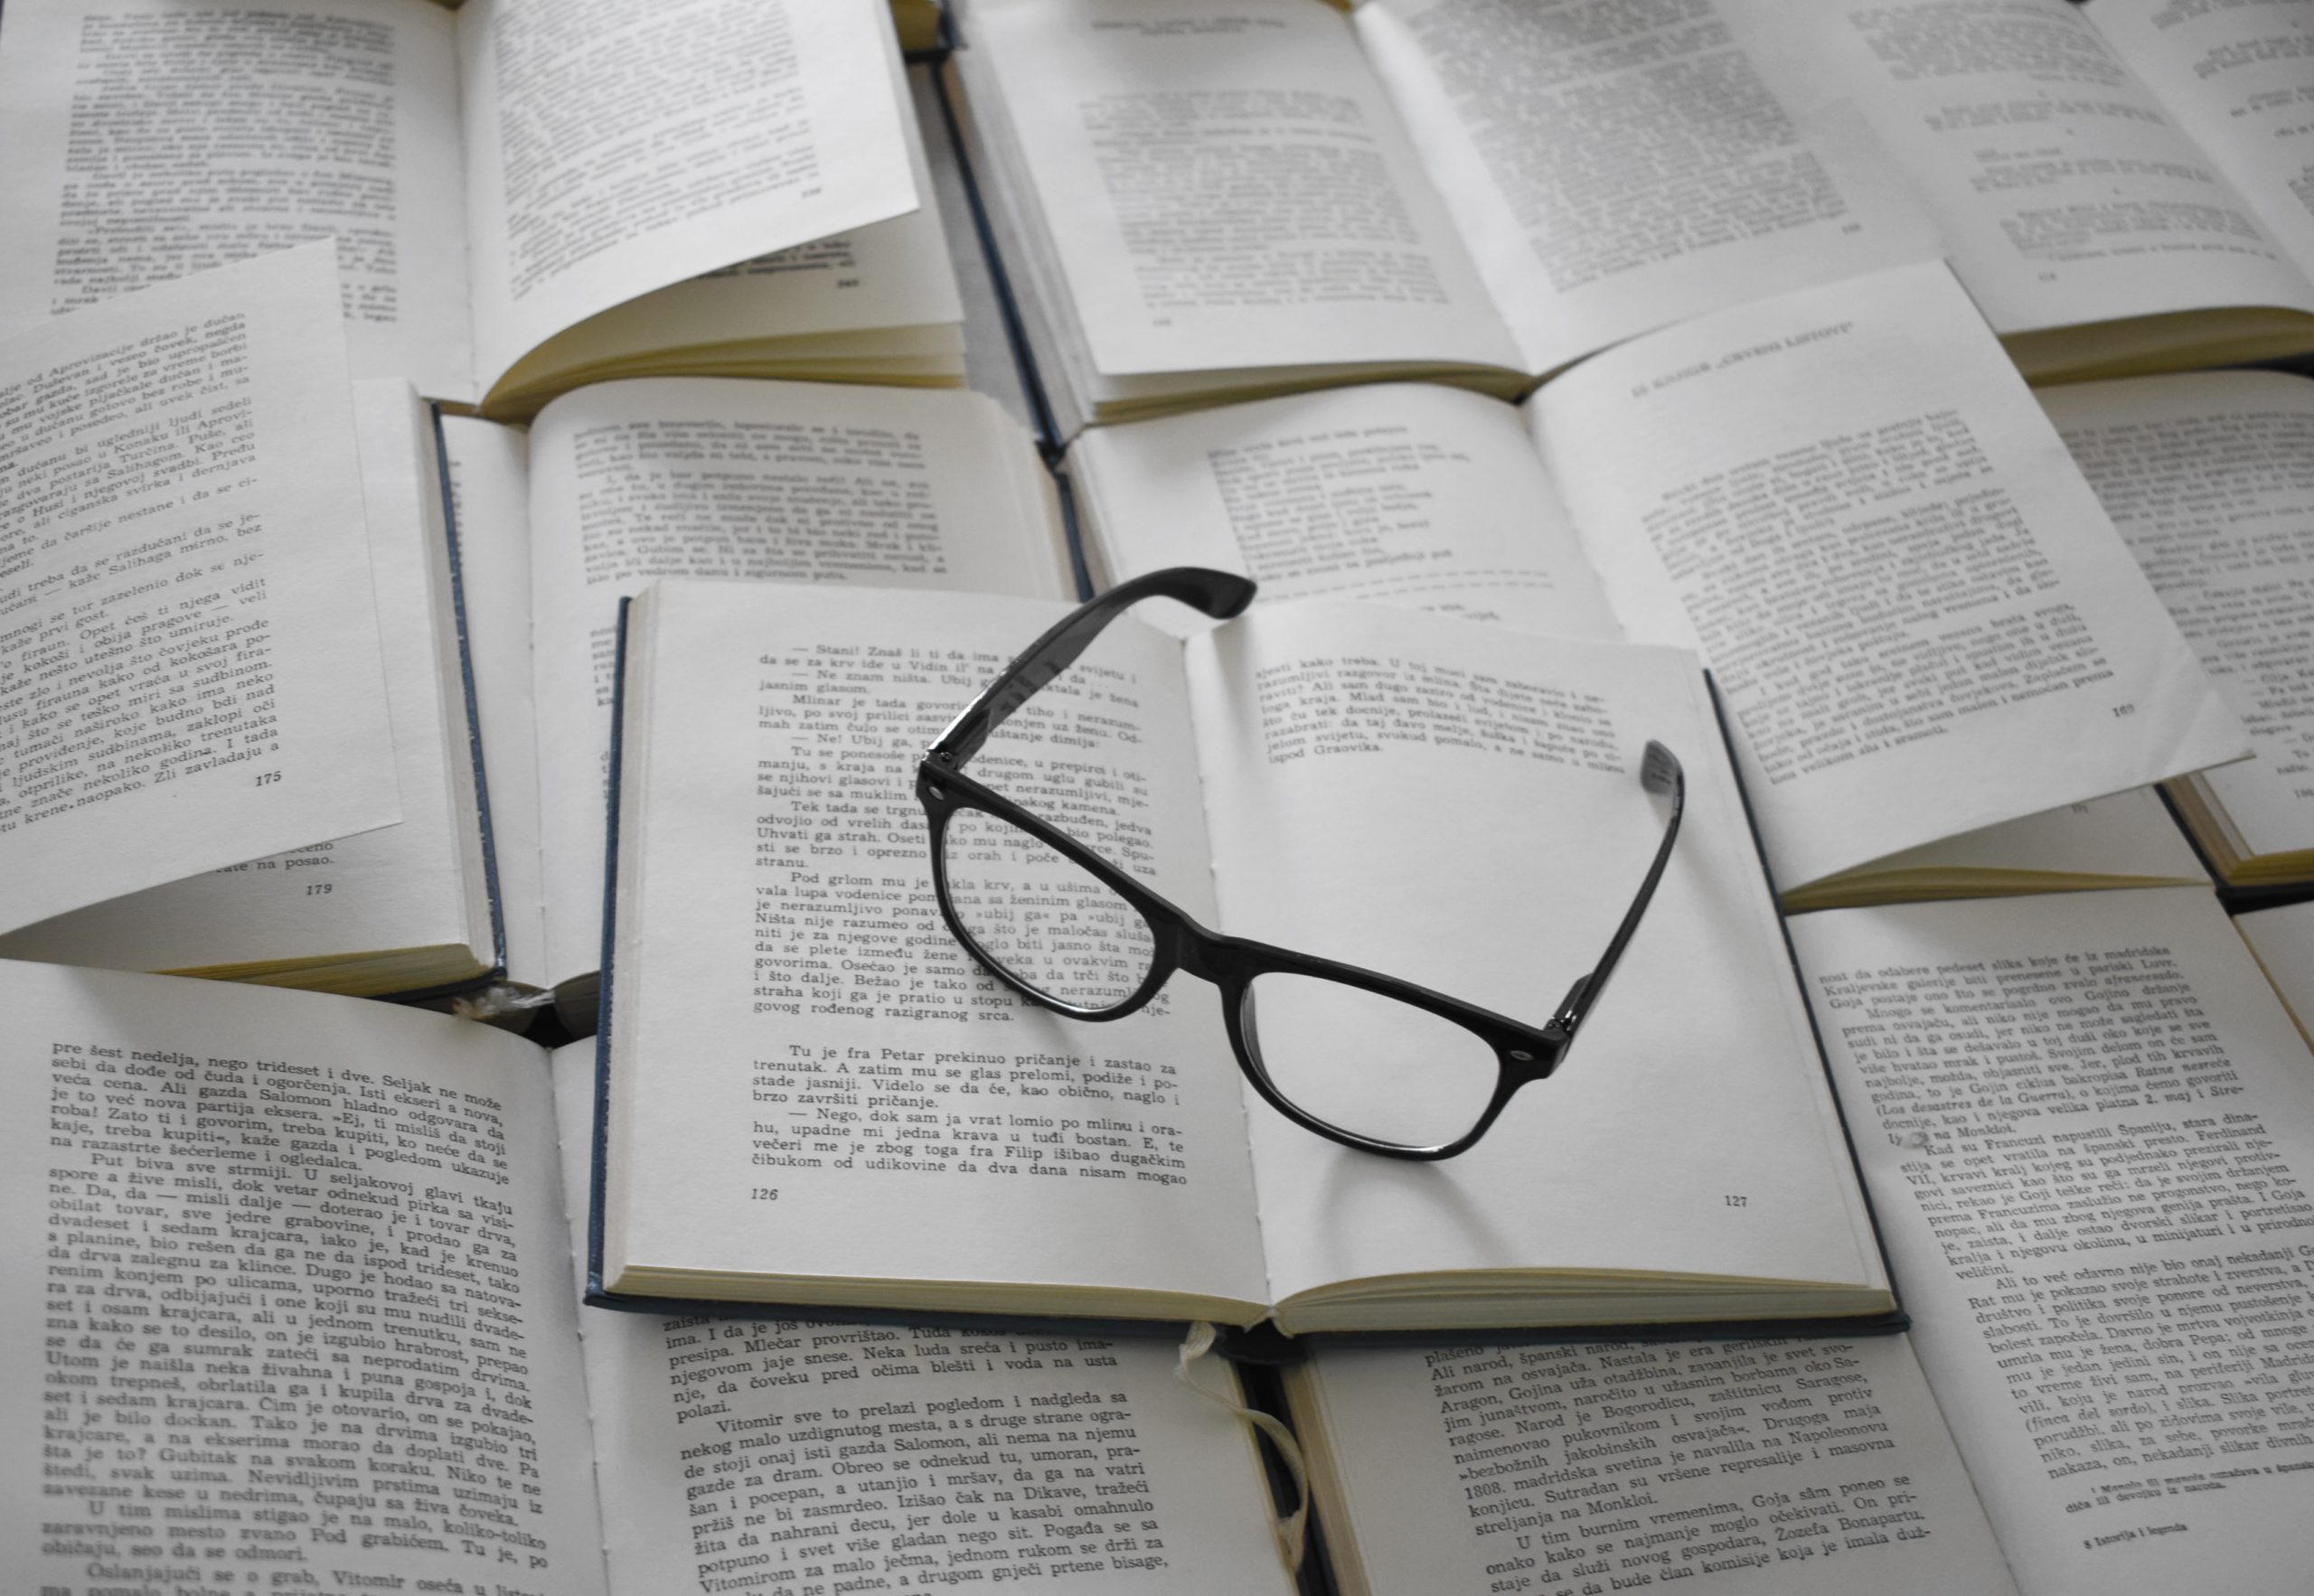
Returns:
(1041, 916)
(1366, 1064)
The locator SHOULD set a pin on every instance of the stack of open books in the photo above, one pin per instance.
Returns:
(481, 507)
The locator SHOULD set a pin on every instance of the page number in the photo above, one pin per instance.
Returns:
(1736, 1202)
(764, 1194)
(266, 778)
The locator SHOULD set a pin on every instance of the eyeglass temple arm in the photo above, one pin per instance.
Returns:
(1658, 772)
(1218, 594)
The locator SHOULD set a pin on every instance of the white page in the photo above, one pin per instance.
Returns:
(1496, 874)
(148, 140)
(1617, 168)
(2064, 192)
(909, 1406)
(1229, 189)
(1756, 1468)
(1403, 493)
(488, 467)
(2235, 77)
(2087, 1126)
(402, 886)
(1920, 620)
(189, 589)
(2283, 941)
(295, 1266)
(806, 482)
(614, 150)
(2210, 478)
(777, 933)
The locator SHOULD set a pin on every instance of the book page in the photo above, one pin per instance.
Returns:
(488, 470)
(2237, 78)
(146, 141)
(189, 665)
(405, 886)
(613, 150)
(890, 274)
(1905, 591)
(810, 1078)
(768, 481)
(786, 1453)
(1404, 493)
(2210, 478)
(1617, 168)
(295, 1268)
(1229, 187)
(1754, 1468)
(2283, 941)
(1459, 806)
(2088, 1127)
(2064, 192)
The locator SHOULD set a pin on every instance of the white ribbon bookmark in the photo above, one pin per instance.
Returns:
(1293, 1530)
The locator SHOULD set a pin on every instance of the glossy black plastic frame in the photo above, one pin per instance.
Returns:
(1523, 1053)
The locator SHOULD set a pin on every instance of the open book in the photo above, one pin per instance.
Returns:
(404, 909)
(524, 194)
(813, 1096)
(291, 1297)
(507, 633)
(189, 665)
(2088, 1129)
(1844, 498)
(2207, 476)
(1268, 195)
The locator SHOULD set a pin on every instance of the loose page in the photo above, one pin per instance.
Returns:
(826, 1451)
(612, 150)
(2064, 192)
(1460, 806)
(189, 665)
(1230, 188)
(1618, 168)
(768, 481)
(2210, 478)
(1919, 619)
(810, 1079)
(1402, 492)
(416, 884)
(2237, 78)
(1754, 1468)
(147, 141)
(2088, 1127)
(295, 1268)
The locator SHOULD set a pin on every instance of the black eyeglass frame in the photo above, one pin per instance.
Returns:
(1523, 1053)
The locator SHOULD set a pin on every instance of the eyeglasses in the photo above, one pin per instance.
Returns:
(1362, 1058)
